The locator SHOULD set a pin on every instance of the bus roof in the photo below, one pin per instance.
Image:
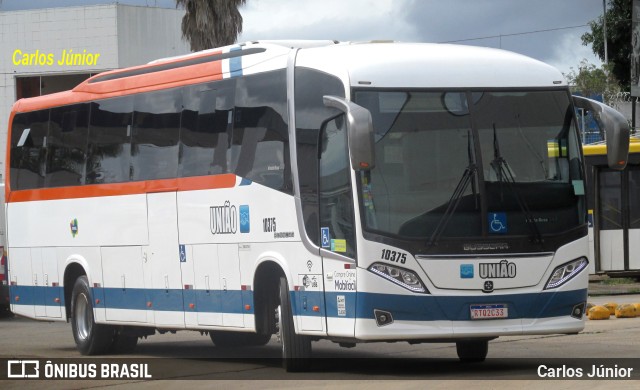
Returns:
(425, 65)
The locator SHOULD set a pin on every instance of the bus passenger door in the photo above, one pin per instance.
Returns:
(337, 229)
(634, 216)
(162, 260)
(618, 224)
(610, 220)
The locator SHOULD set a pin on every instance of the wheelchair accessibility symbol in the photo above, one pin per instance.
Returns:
(183, 253)
(498, 223)
(326, 240)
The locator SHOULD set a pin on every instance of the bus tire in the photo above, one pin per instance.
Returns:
(296, 349)
(472, 351)
(90, 338)
(238, 339)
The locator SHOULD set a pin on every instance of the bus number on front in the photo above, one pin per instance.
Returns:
(394, 256)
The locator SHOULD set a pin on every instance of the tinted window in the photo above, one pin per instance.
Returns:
(258, 152)
(109, 149)
(610, 201)
(67, 145)
(28, 150)
(259, 148)
(154, 144)
(336, 201)
(230, 126)
(634, 195)
(19, 124)
(310, 87)
(207, 126)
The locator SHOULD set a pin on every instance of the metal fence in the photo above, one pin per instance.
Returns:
(621, 101)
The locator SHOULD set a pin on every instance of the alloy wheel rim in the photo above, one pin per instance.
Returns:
(83, 320)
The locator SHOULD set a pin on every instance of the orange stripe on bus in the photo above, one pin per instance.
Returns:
(85, 92)
(156, 78)
(118, 189)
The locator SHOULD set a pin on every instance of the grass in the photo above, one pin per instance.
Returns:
(616, 281)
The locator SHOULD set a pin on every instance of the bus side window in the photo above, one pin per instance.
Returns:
(67, 146)
(260, 144)
(19, 134)
(206, 128)
(154, 141)
(260, 154)
(28, 150)
(109, 145)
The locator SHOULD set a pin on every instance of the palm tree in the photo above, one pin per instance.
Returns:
(211, 23)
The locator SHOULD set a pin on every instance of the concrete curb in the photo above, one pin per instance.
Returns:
(596, 289)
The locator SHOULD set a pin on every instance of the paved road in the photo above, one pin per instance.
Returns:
(378, 365)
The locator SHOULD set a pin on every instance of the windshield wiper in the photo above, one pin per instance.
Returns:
(505, 175)
(458, 192)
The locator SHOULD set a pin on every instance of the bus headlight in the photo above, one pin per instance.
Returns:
(400, 276)
(566, 272)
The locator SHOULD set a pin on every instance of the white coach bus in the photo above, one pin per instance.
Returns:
(314, 190)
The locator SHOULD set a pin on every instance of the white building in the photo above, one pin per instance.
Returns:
(35, 46)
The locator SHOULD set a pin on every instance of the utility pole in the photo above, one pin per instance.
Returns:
(604, 29)
(606, 54)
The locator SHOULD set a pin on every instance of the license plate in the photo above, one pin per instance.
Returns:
(484, 312)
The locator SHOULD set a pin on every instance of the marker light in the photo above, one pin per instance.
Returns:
(565, 272)
(400, 276)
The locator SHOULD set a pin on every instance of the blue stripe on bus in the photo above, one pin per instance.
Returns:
(332, 304)
(235, 64)
(349, 303)
(457, 308)
(36, 295)
(203, 301)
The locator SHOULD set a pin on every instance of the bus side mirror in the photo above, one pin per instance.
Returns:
(359, 132)
(616, 130)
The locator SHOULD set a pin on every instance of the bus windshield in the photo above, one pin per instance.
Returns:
(472, 164)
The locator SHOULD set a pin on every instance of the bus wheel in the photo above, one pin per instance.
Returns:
(91, 338)
(238, 339)
(472, 351)
(296, 349)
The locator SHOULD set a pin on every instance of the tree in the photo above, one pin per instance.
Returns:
(211, 23)
(589, 80)
(618, 39)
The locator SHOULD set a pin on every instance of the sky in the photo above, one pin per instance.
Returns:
(459, 21)
(548, 30)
